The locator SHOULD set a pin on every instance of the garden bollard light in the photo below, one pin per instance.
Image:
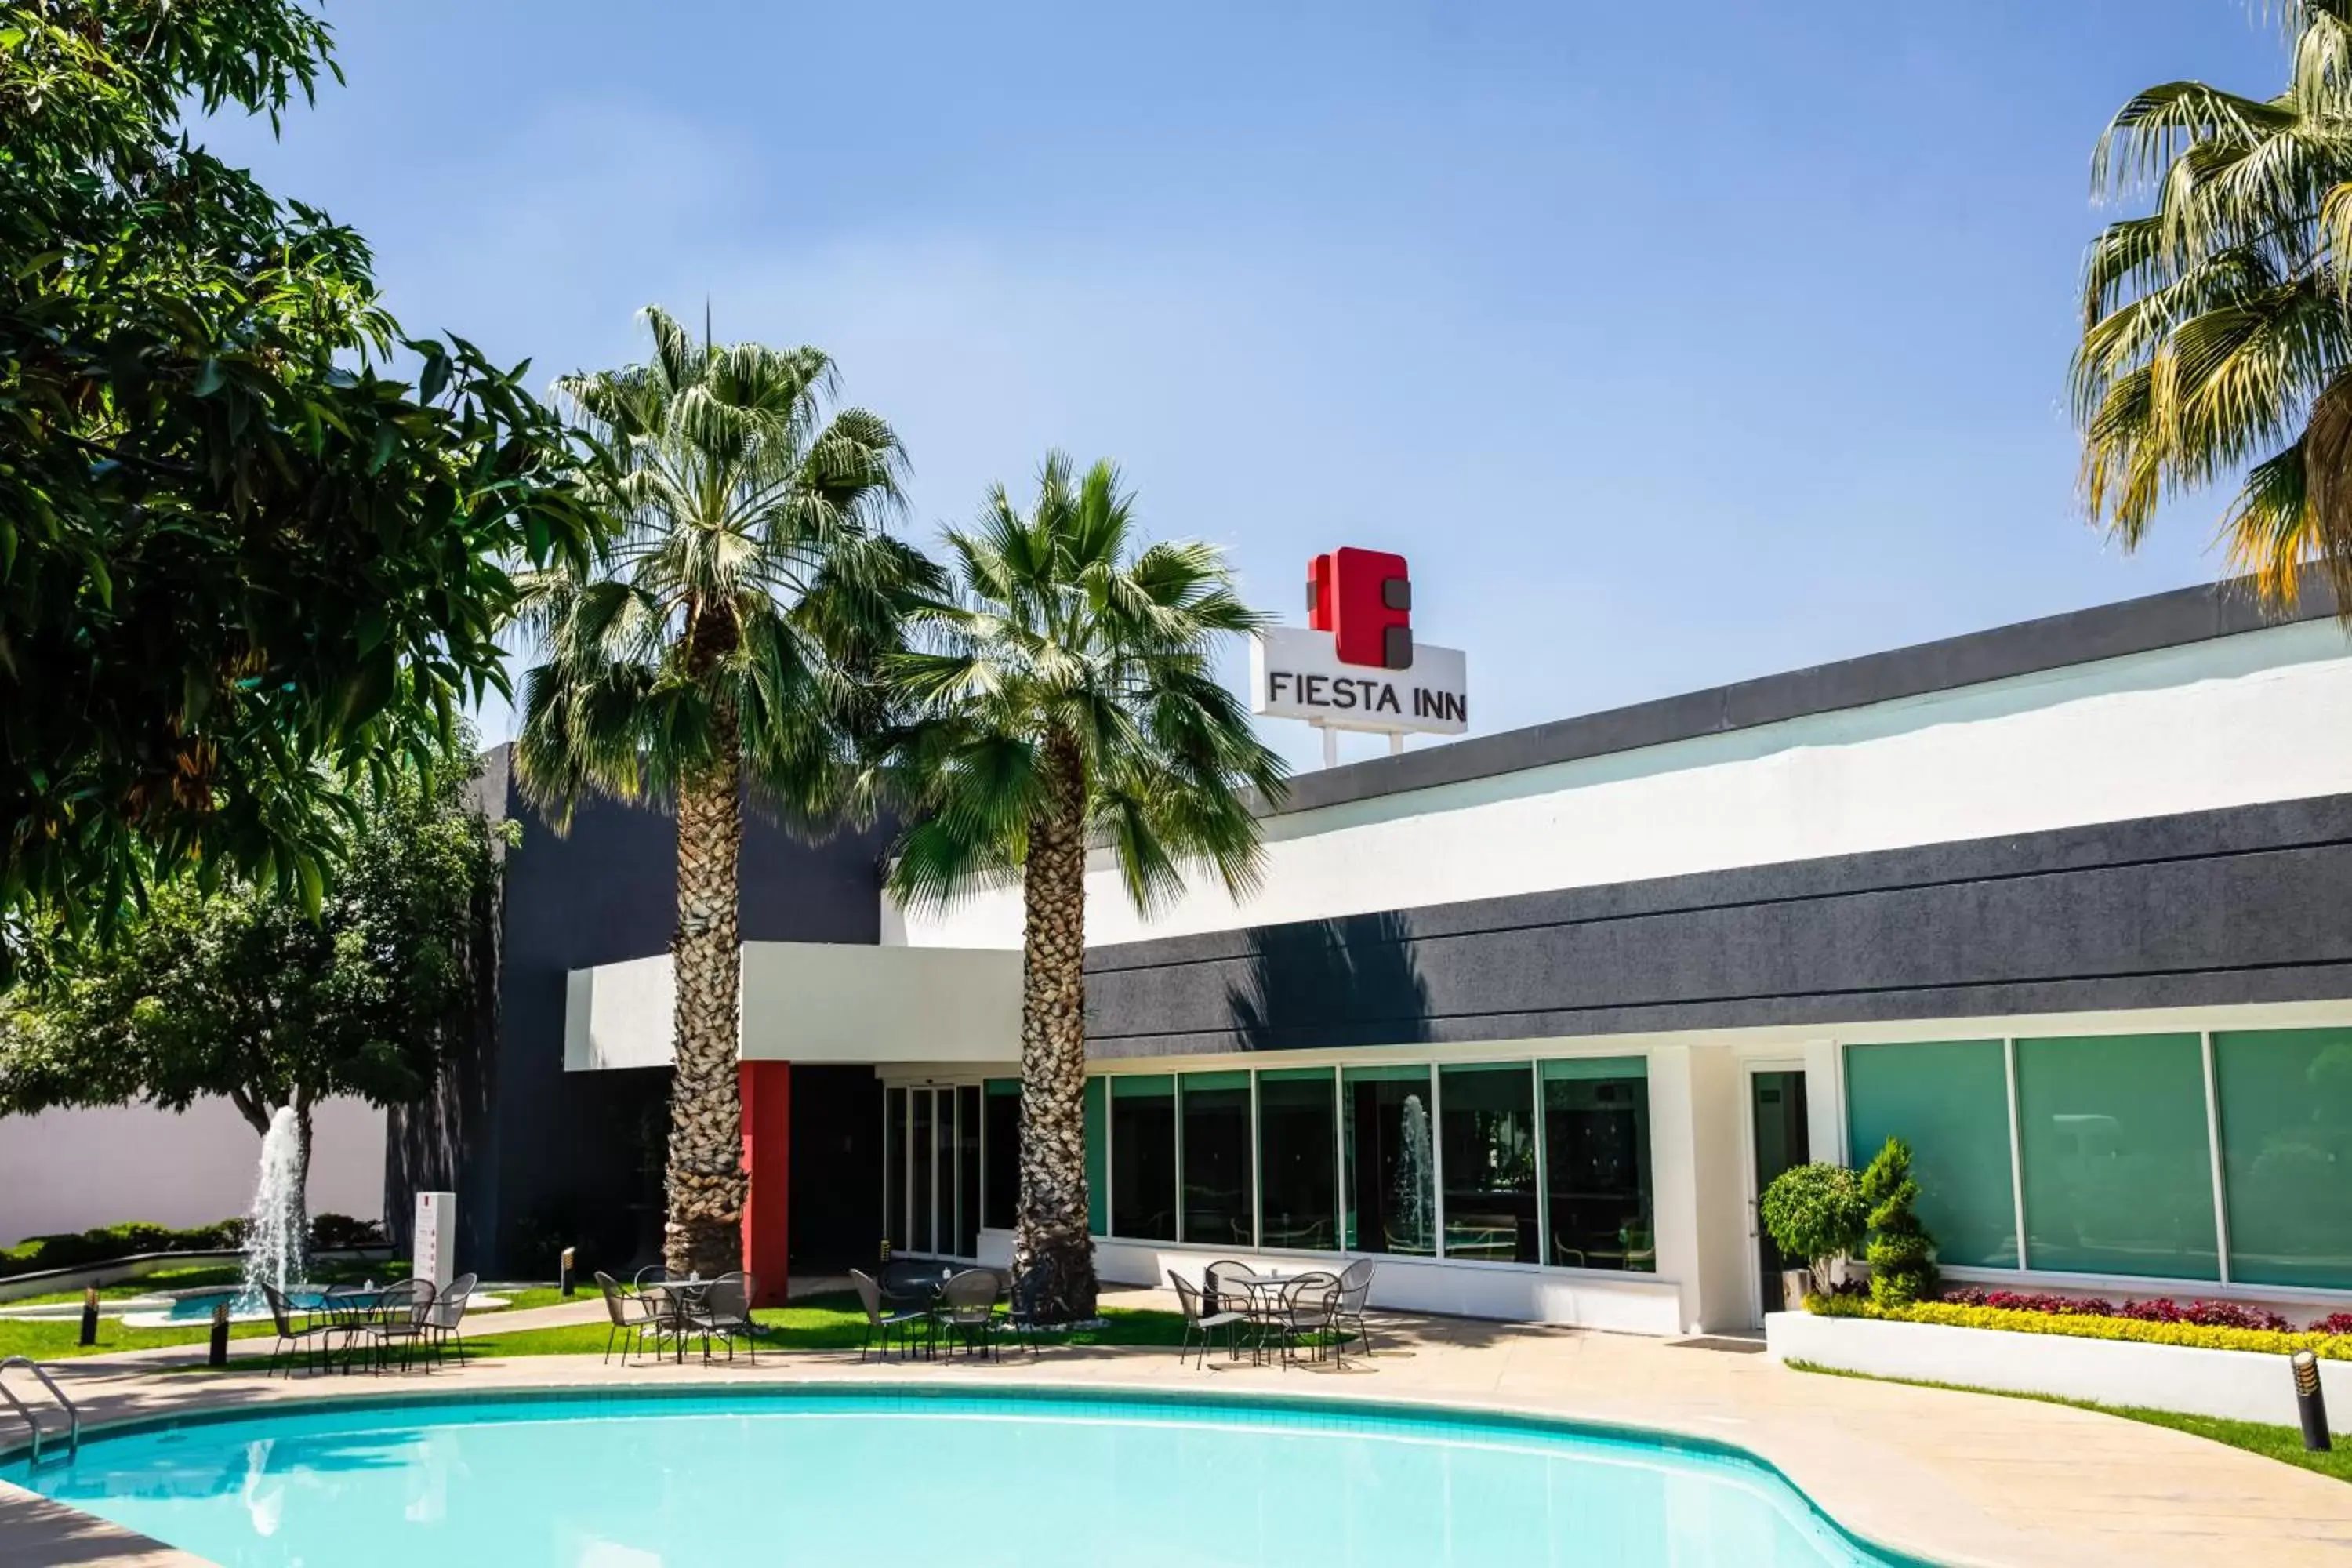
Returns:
(219, 1356)
(566, 1266)
(2310, 1402)
(89, 1315)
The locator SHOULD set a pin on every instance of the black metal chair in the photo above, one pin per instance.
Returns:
(447, 1314)
(1021, 1311)
(631, 1316)
(967, 1310)
(879, 1324)
(1203, 1321)
(398, 1318)
(313, 1327)
(1309, 1305)
(724, 1309)
(1355, 1293)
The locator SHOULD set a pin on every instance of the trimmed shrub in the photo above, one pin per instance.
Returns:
(2078, 1325)
(1814, 1213)
(330, 1232)
(1901, 1254)
(106, 1243)
(2156, 1310)
(2334, 1323)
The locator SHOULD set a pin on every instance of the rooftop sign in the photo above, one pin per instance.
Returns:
(1355, 665)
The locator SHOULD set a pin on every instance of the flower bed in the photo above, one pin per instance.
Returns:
(2203, 1325)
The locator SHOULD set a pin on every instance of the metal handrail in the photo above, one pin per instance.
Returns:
(73, 1412)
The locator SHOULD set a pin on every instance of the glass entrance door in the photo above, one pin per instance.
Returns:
(1776, 1102)
(931, 1187)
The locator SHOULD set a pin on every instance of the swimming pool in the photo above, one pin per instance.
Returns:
(871, 1479)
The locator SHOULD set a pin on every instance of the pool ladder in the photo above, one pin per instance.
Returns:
(73, 1415)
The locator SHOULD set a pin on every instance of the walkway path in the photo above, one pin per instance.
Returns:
(1959, 1478)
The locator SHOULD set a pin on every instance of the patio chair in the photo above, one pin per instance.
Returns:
(1021, 1311)
(725, 1310)
(880, 1324)
(967, 1309)
(651, 1274)
(1217, 1293)
(447, 1312)
(1204, 1322)
(631, 1316)
(1355, 1292)
(312, 1329)
(905, 1283)
(1309, 1305)
(399, 1318)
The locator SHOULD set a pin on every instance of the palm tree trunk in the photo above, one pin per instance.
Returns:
(705, 1232)
(1052, 1235)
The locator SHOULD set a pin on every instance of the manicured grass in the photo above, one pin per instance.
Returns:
(2284, 1444)
(54, 1338)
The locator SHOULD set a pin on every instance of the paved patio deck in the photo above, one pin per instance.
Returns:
(1959, 1478)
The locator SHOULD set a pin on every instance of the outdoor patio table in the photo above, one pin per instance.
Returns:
(349, 1309)
(678, 1297)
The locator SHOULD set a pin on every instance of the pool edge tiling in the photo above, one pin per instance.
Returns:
(1447, 1436)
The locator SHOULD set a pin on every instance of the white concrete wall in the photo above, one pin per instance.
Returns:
(2237, 1385)
(74, 1170)
(2262, 716)
(811, 1001)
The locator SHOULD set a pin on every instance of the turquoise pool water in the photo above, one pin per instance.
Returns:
(878, 1479)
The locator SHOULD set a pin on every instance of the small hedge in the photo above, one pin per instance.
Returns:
(104, 1245)
(2199, 1336)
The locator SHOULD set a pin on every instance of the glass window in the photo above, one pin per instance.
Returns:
(1097, 1159)
(1144, 1158)
(2118, 1172)
(1391, 1159)
(1596, 1120)
(918, 1141)
(894, 1169)
(1002, 1202)
(1297, 1126)
(1216, 1115)
(1487, 1134)
(1950, 1100)
(2286, 1155)
(968, 1170)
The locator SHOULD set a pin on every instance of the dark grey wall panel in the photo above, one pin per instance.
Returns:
(2251, 904)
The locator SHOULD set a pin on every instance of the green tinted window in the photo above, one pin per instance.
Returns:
(2118, 1170)
(2286, 1151)
(1098, 1166)
(1950, 1100)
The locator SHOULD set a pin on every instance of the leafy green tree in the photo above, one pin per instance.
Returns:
(2215, 336)
(1065, 696)
(1901, 1254)
(719, 639)
(1817, 1213)
(245, 995)
(239, 564)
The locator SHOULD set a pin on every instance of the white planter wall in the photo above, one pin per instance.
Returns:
(2239, 1385)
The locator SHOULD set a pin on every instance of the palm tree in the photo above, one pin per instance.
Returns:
(1065, 699)
(2215, 337)
(717, 640)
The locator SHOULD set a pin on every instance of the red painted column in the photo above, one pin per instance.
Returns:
(767, 1089)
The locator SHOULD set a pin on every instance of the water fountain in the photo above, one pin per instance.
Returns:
(1415, 1167)
(273, 1235)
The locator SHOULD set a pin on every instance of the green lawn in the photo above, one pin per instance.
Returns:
(2284, 1444)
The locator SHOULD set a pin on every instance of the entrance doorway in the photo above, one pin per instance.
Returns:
(1776, 1107)
(931, 1171)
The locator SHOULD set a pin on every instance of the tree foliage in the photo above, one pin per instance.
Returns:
(2215, 336)
(1069, 633)
(1901, 1254)
(243, 993)
(1815, 1212)
(240, 564)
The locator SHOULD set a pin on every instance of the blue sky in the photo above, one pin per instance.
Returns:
(1673, 344)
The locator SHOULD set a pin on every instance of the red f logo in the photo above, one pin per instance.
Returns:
(1364, 598)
